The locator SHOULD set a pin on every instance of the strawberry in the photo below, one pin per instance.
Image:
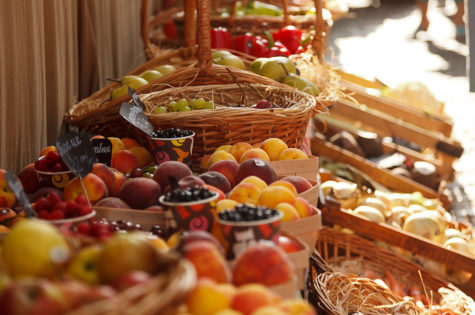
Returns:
(56, 215)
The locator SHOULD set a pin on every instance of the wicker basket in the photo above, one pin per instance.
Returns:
(326, 286)
(163, 295)
(154, 43)
(233, 120)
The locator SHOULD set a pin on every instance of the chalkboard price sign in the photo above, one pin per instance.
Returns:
(15, 185)
(76, 151)
(103, 150)
(135, 115)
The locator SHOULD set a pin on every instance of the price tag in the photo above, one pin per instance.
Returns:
(76, 151)
(15, 185)
(135, 115)
(103, 150)
(135, 98)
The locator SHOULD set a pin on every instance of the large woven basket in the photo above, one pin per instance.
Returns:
(155, 43)
(163, 295)
(233, 120)
(328, 290)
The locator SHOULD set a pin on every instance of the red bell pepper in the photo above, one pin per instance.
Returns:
(243, 43)
(169, 30)
(221, 38)
(259, 47)
(290, 36)
(277, 50)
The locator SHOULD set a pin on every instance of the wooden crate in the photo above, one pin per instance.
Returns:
(307, 169)
(384, 177)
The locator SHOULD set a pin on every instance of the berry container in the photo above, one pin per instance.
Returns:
(172, 149)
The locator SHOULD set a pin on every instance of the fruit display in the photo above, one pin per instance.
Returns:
(183, 105)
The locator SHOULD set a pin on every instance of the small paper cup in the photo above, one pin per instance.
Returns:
(57, 180)
(190, 216)
(240, 235)
(172, 149)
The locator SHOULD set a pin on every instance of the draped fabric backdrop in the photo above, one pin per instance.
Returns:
(52, 54)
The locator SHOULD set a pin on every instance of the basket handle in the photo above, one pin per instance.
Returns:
(190, 23)
(285, 8)
(317, 43)
(204, 33)
(147, 44)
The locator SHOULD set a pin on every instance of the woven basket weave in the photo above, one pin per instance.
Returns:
(335, 246)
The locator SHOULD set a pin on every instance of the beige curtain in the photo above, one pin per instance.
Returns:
(52, 53)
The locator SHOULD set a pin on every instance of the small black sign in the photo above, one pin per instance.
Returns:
(15, 185)
(135, 115)
(103, 150)
(76, 151)
(135, 98)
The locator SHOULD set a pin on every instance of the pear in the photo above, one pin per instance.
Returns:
(256, 65)
(301, 84)
(136, 82)
(120, 91)
(219, 54)
(151, 75)
(231, 61)
(165, 69)
(273, 68)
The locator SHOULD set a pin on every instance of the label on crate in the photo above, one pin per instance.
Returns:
(15, 185)
(135, 115)
(103, 150)
(77, 152)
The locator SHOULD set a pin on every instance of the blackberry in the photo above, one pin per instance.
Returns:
(188, 194)
(172, 133)
(247, 213)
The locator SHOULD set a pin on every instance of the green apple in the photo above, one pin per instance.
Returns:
(151, 75)
(120, 91)
(165, 69)
(273, 69)
(301, 84)
(231, 61)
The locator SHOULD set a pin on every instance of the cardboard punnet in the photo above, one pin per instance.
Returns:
(307, 168)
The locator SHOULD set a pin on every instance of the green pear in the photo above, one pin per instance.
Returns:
(301, 84)
(273, 69)
(133, 81)
(261, 8)
(219, 54)
(165, 69)
(151, 75)
(122, 90)
(256, 65)
(231, 61)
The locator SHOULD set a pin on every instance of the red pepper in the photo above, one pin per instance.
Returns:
(290, 36)
(221, 38)
(169, 30)
(243, 43)
(259, 46)
(278, 50)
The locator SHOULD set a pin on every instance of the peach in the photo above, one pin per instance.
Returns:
(117, 144)
(204, 165)
(221, 194)
(288, 244)
(29, 179)
(170, 168)
(257, 145)
(140, 192)
(297, 307)
(263, 263)
(285, 184)
(226, 204)
(289, 212)
(269, 310)
(208, 261)
(220, 156)
(129, 143)
(124, 161)
(273, 195)
(95, 187)
(273, 147)
(292, 154)
(207, 298)
(143, 156)
(256, 167)
(48, 149)
(216, 179)
(190, 181)
(303, 207)
(251, 297)
(300, 183)
(228, 168)
(254, 153)
(112, 202)
(106, 174)
(239, 148)
(224, 147)
(245, 193)
(119, 180)
(256, 181)
(7, 197)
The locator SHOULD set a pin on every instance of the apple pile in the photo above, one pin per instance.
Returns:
(272, 149)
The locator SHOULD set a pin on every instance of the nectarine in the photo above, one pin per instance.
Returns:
(124, 161)
(224, 147)
(292, 154)
(250, 297)
(259, 183)
(220, 156)
(228, 168)
(303, 207)
(285, 184)
(245, 193)
(140, 192)
(273, 147)
(143, 156)
(106, 174)
(170, 168)
(207, 298)
(95, 187)
(208, 261)
(216, 179)
(289, 212)
(273, 195)
(300, 183)
(239, 148)
(256, 167)
(254, 153)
